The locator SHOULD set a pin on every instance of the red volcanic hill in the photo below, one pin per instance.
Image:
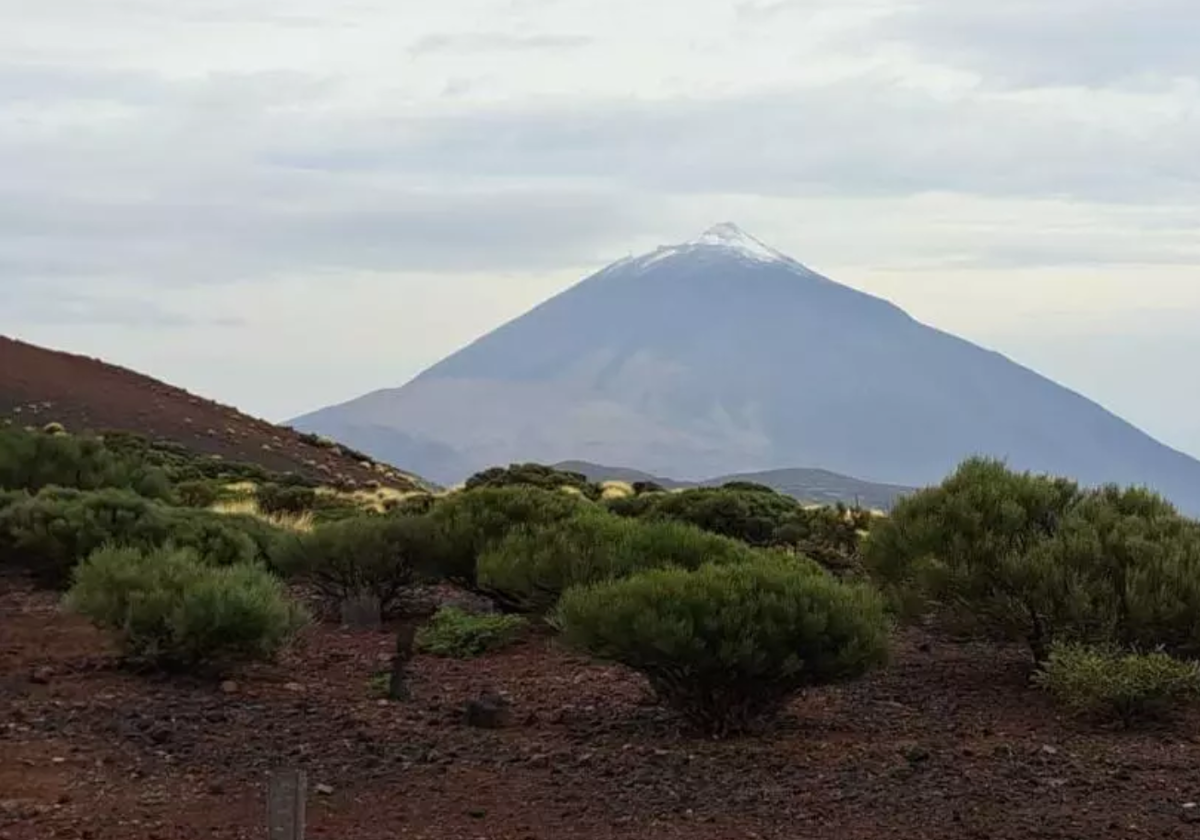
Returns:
(40, 386)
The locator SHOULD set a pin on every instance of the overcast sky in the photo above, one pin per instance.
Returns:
(286, 204)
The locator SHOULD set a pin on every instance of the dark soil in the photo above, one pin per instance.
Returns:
(947, 742)
(40, 386)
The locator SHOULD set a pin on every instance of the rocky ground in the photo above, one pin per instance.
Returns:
(948, 742)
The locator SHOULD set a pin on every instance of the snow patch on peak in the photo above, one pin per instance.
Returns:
(730, 236)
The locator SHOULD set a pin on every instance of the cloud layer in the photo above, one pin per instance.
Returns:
(193, 164)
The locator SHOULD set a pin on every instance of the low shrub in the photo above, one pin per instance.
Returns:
(49, 533)
(470, 521)
(458, 634)
(172, 610)
(832, 536)
(274, 498)
(1117, 685)
(31, 460)
(533, 475)
(531, 567)
(751, 516)
(198, 493)
(383, 556)
(728, 646)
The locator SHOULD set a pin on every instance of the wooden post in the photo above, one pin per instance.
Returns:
(405, 638)
(286, 794)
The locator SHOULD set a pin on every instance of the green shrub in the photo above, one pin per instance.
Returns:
(1034, 558)
(533, 475)
(728, 646)
(832, 536)
(380, 555)
(468, 522)
(1117, 685)
(461, 635)
(273, 498)
(172, 610)
(33, 460)
(751, 516)
(199, 493)
(531, 567)
(50, 533)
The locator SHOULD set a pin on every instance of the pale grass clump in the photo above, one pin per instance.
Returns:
(297, 522)
(615, 490)
(240, 488)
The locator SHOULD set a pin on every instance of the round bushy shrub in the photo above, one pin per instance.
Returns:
(276, 498)
(532, 566)
(533, 475)
(33, 460)
(172, 610)
(1034, 558)
(382, 556)
(751, 516)
(728, 646)
(469, 521)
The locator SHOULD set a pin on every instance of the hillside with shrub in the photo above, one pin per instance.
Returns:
(41, 387)
(537, 654)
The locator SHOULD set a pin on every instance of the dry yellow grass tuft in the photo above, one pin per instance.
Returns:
(298, 522)
(615, 490)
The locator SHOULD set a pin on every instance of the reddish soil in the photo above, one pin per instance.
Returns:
(39, 386)
(947, 742)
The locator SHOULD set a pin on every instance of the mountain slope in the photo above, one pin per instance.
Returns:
(721, 355)
(40, 386)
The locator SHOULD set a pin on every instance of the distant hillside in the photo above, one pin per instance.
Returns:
(721, 355)
(807, 485)
(40, 386)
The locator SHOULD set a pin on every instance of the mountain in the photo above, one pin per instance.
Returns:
(40, 386)
(807, 485)
(723, 355)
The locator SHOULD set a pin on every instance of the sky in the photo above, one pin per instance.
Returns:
(283, 205)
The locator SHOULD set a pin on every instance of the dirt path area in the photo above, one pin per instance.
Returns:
(948, 742)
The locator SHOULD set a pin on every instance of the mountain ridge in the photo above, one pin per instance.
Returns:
(715, 356)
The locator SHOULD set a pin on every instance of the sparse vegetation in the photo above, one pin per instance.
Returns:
(1118, 685)
(456, 633)
(728, 646)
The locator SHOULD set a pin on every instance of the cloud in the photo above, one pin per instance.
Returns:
(42, 304)
(494, 42)
(1092, 43)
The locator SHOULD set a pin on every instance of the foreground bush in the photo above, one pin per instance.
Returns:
(170, 609)
(470, 521)
(455, 633)
(1034, 558)
(379, 555)
(750, 515)
(49, 533)
(1116, 685)
(728, 646)
(531, 567)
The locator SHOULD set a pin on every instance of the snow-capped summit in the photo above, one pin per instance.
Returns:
(730, 236)
(726, 239)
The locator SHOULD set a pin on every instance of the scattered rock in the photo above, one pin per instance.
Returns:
(229, 687)
(294, 687)
(488, 711)
(42, 675)
(1049, 750)
(323, 790)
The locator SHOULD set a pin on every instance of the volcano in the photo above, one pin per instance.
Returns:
(723, 355)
